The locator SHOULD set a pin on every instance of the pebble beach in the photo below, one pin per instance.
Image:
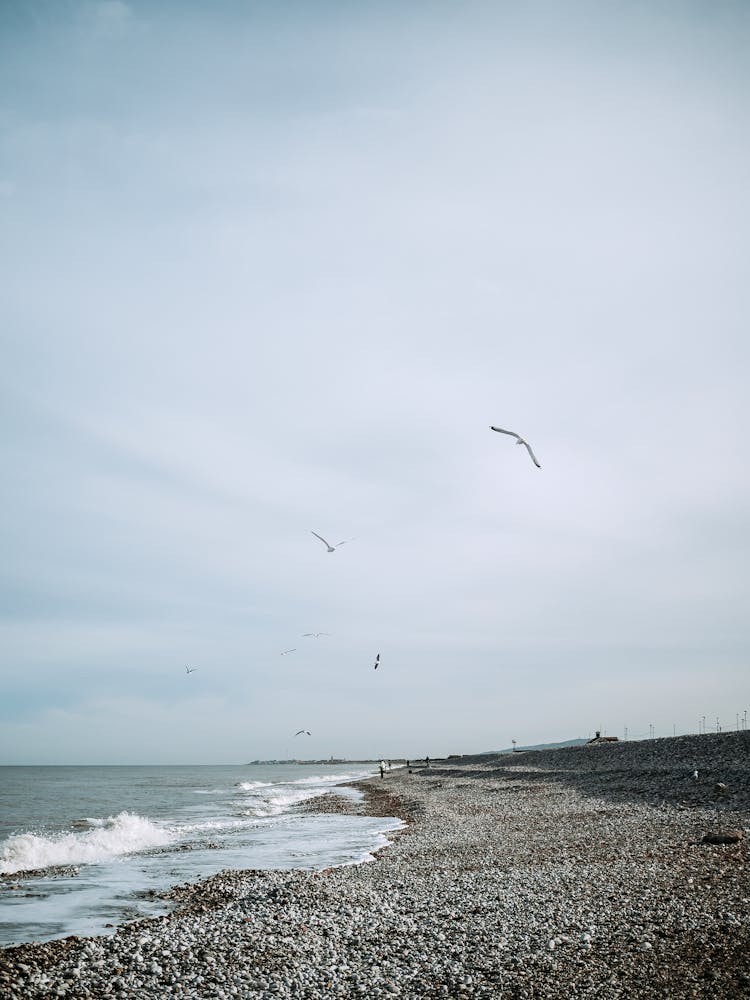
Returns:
(595, 871)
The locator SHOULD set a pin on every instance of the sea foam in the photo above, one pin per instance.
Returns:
(265, 798)
(125, 833)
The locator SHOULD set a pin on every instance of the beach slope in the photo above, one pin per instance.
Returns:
(578, 872)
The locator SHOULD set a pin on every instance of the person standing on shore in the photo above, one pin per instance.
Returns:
(382, 769)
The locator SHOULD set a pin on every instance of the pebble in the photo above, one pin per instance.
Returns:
(548, 874)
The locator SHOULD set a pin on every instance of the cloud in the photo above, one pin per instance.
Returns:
(269, 275)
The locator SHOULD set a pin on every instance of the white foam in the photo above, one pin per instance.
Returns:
(326, 779)
(125, 833)
(266, 799)
(274, 805)
(213, 824)
(283, 799)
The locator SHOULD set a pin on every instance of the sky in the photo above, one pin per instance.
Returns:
(272, 268)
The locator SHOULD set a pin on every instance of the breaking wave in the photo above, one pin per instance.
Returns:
(125, 833)
(266, 798)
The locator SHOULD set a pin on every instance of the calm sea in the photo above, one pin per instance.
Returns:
(132, 830)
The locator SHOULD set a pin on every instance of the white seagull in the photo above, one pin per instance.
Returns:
(190, 670)
(285, 651)
(315, 635)
(331, 548)
(519, 440)
(301, 731)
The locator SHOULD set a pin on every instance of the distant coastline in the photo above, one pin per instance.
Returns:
(318, 763)
(617, 869)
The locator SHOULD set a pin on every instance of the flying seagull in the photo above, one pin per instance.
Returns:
(331, 548)
(315, 635)
(190, 670)
(519, 440)
(285, 651)
(377, 661)
(301, 731)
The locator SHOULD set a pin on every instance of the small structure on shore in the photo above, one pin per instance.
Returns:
(602, 739)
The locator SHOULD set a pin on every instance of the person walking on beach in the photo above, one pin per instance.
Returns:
(382, 769)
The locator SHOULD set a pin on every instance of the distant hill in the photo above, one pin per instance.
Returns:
(536, 746)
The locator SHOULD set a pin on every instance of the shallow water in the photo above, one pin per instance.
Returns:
(135, 831)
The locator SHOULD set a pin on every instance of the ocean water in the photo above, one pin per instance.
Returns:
(133, 831)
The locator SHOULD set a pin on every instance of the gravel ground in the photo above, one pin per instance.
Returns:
(579, 872)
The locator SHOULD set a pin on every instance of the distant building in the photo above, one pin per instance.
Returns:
(602, 739)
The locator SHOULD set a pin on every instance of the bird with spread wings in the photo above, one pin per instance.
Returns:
(519, 440)
(331, 548)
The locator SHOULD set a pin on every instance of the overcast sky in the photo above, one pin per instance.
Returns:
(275, 267)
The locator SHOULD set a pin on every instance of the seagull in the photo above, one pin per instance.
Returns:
(331, 548)
(301, 731)
(377, 661)
(519, 440)
(315, 635)
(695, 775)
(190, 670)
(285, 651)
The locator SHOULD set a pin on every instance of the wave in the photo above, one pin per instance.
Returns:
(272, 798)
(125, 833)
(279, 798)
(326, 779)
(213, 825)
(272, 805)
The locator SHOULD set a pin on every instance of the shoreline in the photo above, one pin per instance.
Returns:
(570, 872)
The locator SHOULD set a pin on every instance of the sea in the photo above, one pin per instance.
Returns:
(105, 841)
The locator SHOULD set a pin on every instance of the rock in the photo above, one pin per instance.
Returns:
(723, 837)
(501, 884)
